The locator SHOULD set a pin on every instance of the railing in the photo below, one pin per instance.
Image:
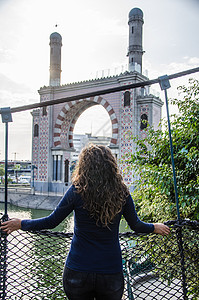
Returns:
(155, 267)
(16, 189)
(28, 190)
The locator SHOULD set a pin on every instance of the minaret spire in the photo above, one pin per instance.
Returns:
(55, 59)
(135, 50)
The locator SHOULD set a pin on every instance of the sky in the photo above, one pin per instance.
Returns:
(95, 38)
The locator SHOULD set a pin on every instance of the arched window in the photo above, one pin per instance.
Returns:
(44, 111)
(36, 130)
(127, 98)
(143, 121)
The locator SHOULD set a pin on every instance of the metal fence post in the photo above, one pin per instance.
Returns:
(182, 261)
(3, 263)
(6, 118)
(165, 84)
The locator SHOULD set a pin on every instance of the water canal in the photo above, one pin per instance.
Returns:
(28, 213)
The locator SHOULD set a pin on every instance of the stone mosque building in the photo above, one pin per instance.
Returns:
(52, 142)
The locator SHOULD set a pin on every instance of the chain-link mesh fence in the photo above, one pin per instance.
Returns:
(155, 267)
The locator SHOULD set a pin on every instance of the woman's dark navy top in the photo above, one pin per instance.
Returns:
(94, 248)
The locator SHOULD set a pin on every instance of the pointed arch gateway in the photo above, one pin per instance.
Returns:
(71, 112)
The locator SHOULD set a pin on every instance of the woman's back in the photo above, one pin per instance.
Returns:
(95, 247)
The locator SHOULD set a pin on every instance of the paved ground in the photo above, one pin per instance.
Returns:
(31, 201)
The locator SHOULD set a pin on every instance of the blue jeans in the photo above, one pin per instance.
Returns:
(90, 286)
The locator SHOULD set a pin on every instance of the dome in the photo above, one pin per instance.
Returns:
(55, 35)
(136, 12)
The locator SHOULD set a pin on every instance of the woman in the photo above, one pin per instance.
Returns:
(98, 197)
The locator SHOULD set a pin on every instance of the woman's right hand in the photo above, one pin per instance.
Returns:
(11, 225)
(162, 229)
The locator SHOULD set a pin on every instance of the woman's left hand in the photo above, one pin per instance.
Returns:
(11, 225)
(162, 229)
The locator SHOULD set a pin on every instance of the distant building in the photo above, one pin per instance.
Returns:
(18, 168)
(54, 147)
(81, 140)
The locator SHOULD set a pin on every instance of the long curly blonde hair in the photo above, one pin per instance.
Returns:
(97, 178)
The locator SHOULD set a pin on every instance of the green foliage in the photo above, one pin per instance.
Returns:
(47, 267)
(154, 194)
(17, 167)
(2, 170)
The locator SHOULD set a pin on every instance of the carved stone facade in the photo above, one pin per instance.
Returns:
(128, 111)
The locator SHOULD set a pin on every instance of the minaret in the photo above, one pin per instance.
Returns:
(135, 50)
(55, 59)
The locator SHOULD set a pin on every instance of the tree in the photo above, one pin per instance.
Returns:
(16, 169)
(2, 170)
(152, 161)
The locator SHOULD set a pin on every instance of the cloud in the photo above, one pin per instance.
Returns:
(8, 85)
(175, 67)
(6, 55)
